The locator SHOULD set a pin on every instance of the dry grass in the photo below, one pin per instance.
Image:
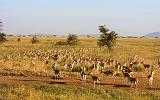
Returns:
(147, 49)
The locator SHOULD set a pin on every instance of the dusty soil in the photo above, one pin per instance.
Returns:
(72, 80)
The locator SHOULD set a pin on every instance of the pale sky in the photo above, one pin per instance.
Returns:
(126, 17)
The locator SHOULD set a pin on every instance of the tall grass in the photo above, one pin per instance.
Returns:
(24, 92)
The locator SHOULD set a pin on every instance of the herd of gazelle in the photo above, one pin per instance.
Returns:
(88, 65)
(126, 71)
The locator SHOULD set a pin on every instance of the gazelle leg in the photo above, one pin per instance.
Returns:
(94, 82)
(98, 83)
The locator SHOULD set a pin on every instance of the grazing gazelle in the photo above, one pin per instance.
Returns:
(150, 79)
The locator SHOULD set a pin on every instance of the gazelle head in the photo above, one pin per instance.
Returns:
(142, 61)
(158, 60)
(152, 72)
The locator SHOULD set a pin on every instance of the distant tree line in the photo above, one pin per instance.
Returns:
(107, 39)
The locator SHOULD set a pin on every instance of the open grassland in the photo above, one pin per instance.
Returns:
(147, 49)
(13, 63)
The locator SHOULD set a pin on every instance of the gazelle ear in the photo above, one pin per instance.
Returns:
(135, 56)
(142, 60)
(153, 72)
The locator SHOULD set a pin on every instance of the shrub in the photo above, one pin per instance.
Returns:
(19, 39)
(34, 40)
(72, 39)
(60, 43)
(2, 37)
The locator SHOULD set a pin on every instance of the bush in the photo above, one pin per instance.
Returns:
(19, 39)
(34, 40)
(60, 43)
(2, 37)
(72, 39)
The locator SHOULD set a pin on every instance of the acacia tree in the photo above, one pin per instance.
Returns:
(107, 39)
(2, 35)
(72, 39)
(0, 26)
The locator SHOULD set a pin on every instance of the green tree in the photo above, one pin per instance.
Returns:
(72, 39)
(107, 39)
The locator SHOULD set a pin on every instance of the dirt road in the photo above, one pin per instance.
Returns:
(75, 81)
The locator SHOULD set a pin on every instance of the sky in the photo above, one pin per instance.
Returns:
(126, 17)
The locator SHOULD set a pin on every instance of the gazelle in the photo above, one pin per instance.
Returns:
(150, 79)
(114, 74)
(117, 66)
(83, 74)
(100, 66)
(127, 70)
(109, 72)
(133, 62)
(132, 80)
(32, 62)
(56, 72)
(126, 75)
(158, 62)
(95, 79)
(146, 66)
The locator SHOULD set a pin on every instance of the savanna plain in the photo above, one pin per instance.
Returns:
(26, 71)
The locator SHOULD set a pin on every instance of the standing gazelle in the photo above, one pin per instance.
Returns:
(158, 62)
(150, 79)
(133, 81)
(56, 72)
(83, 74)
(129, 78)
(146, 66)
(96, 79)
